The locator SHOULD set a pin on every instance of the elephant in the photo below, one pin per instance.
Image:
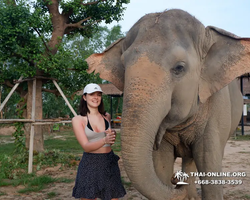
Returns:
(180, 99)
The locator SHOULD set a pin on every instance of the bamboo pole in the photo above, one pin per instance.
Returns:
(43, 123)
(64, 97)
(32, 130)
(9, 95)
(16, 120)
(33, 121)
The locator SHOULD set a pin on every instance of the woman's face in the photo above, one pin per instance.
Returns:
(93, 99)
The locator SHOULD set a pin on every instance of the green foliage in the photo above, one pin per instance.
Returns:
(19, 138)
(246, 196)
(13, 167)
(52, 158)
(27, 47)
(19, 133)
(18, 43)
(10, 108)
(26, 36)
(51, 194)
(241, 137)
(54, 106)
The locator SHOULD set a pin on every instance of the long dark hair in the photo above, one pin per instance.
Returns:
(83, 108)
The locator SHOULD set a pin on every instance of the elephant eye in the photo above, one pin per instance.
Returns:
(178, 69)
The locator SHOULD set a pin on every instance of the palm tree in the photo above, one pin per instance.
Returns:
(185, 176)
(178, 175)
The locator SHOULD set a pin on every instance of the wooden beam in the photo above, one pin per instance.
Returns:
(33, 121)
(35, 77)
(64, 97)
(43, 123)
(16, 120)
(9, 95)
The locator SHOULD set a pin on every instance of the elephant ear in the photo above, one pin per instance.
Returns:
(225, 57)
(108, 64)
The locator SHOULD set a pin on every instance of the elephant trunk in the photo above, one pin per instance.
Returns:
(140, 124)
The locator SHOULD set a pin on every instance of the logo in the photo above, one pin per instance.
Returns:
(181, 177)
(95, 88)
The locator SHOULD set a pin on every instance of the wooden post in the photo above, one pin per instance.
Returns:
(64, 97)
(242, 116)
(30, 166)
(1, 112)
(9, 95)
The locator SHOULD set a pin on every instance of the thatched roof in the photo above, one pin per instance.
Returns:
(108, 89)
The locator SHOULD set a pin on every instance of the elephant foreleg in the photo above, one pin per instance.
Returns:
(208, 153)
(188, 166)
(163, 159)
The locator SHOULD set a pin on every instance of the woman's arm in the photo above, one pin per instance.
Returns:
(108, 117)
(78, 128)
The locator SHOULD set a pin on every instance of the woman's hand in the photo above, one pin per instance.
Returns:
(110, 136)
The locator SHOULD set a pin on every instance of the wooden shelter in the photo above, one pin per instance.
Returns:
(244, 84)
(112, 91)
(33, 121)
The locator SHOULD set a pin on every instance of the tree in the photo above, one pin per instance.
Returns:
(32, 44)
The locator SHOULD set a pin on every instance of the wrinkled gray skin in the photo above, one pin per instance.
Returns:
(180, 99)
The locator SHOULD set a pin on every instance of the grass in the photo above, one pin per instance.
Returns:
(5, 136)
(33, 183)
(241, 137)
(125, 183)
(2, 193)
(247, 152)
(13, 168)
(246, 196)
(37, 183)
(51, 195)
(6, 149)
(67, 143)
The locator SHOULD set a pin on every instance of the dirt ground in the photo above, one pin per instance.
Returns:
(236, 159)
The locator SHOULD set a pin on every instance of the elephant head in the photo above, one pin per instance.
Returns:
(167, 66)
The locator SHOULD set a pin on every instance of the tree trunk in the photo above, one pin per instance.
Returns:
(38, 136)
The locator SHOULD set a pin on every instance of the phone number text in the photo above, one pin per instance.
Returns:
(219, 182)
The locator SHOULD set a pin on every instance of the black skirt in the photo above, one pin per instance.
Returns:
(98, 176)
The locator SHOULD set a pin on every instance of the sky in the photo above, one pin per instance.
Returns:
(230, 15)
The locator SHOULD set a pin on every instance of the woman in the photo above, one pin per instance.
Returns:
(98, 174)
